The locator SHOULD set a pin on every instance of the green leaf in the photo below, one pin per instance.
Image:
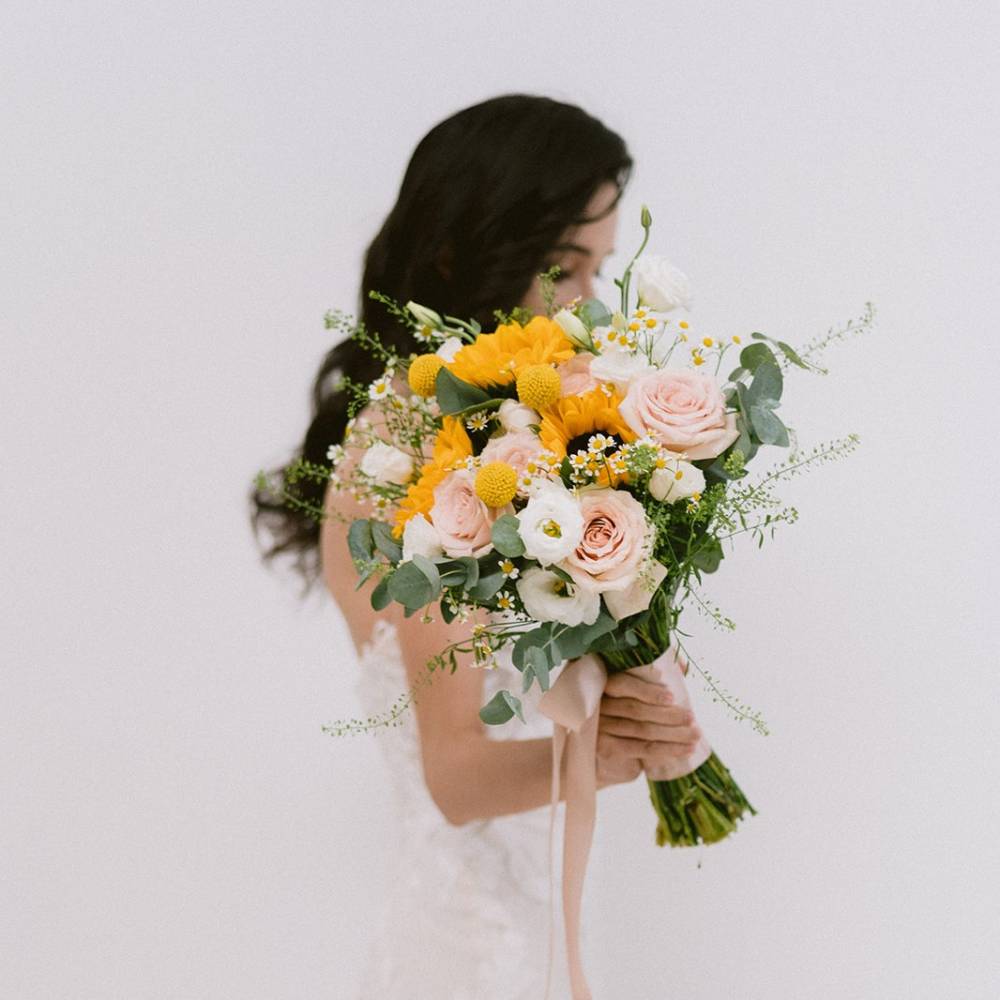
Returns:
(381, 598)
(766, 385)
(454, 395)
(594, 312)
(411, 587)
(471, 565)
(755, 354)
(385, 543)
(430, 571)
(537, 660)
(527, 640)
(506, 537)
(576, 641)
(487, 586)
(737, 373)
(501, 708)
(786, 349)
(769, 427)
(360, 541)
(708, 557)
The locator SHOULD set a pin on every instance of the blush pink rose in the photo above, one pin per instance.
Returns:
(462, 521)
(682, 410)
(516, 448)
(574, 375)
(612, 549)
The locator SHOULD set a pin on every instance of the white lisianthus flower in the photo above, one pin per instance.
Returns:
(676, 480)
(447, 351)
(515, 416)
(551, 524)
(661, 286)
(549, 598)
(420, 537)
(619, 367)
(386, 464)
(636, 598)
(573, 327)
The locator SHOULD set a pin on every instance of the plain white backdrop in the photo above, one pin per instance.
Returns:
(187, 187)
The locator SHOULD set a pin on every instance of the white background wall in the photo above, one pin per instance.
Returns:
(186, 187)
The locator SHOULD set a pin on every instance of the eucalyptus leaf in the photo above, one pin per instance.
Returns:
(360, 541)
(386, 544)
(594, 312)
(537, 660)
(754, 354)
(380, 597)
(410, 586)
(769, 427)
(708, 557)
(487, 587)
(501, 708)
(430, 571)
(506, 537)
(455, 395)
(767, 384)
(786, 349)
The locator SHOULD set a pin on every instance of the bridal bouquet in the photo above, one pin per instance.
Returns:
(562, 483)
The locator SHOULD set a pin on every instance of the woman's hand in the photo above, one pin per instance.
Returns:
(639, 723)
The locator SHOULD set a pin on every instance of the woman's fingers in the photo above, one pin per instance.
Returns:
(626, 685)
(639, 730)
(611, 747)
(643, 711)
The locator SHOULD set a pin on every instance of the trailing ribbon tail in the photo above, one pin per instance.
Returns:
(573, 704)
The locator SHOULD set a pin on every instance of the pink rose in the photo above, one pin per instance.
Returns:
(463, 522)
(682, 410)
(516, 448)
(574, 375)
(612, 549)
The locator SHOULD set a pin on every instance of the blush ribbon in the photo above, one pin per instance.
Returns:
(573, 703)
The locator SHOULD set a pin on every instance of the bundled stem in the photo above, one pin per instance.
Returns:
(700, 807)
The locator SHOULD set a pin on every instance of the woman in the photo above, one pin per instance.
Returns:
(492, 196)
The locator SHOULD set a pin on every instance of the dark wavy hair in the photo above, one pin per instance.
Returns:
(484, 200)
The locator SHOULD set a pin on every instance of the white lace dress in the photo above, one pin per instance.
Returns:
(469, 917)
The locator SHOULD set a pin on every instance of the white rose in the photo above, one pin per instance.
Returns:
(549, 598)
(619, 368)
(623, 603)
(447, 351)
(386, 464)
(676, 480)
(661, 285)
(573, 327)
(551, 524)
(515, 416)
(420, 537)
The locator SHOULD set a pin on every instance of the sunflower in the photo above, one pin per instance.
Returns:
(494, 358)
(574, 417)
(451, 447)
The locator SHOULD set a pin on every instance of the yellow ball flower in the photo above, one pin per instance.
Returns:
(538, 386)
(423, 373)
(496, 484)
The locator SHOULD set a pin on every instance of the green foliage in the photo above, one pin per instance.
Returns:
(506, 536)
(547, 285)
(501, 708)
(594, 313)
(519, 314)
(455, 396)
